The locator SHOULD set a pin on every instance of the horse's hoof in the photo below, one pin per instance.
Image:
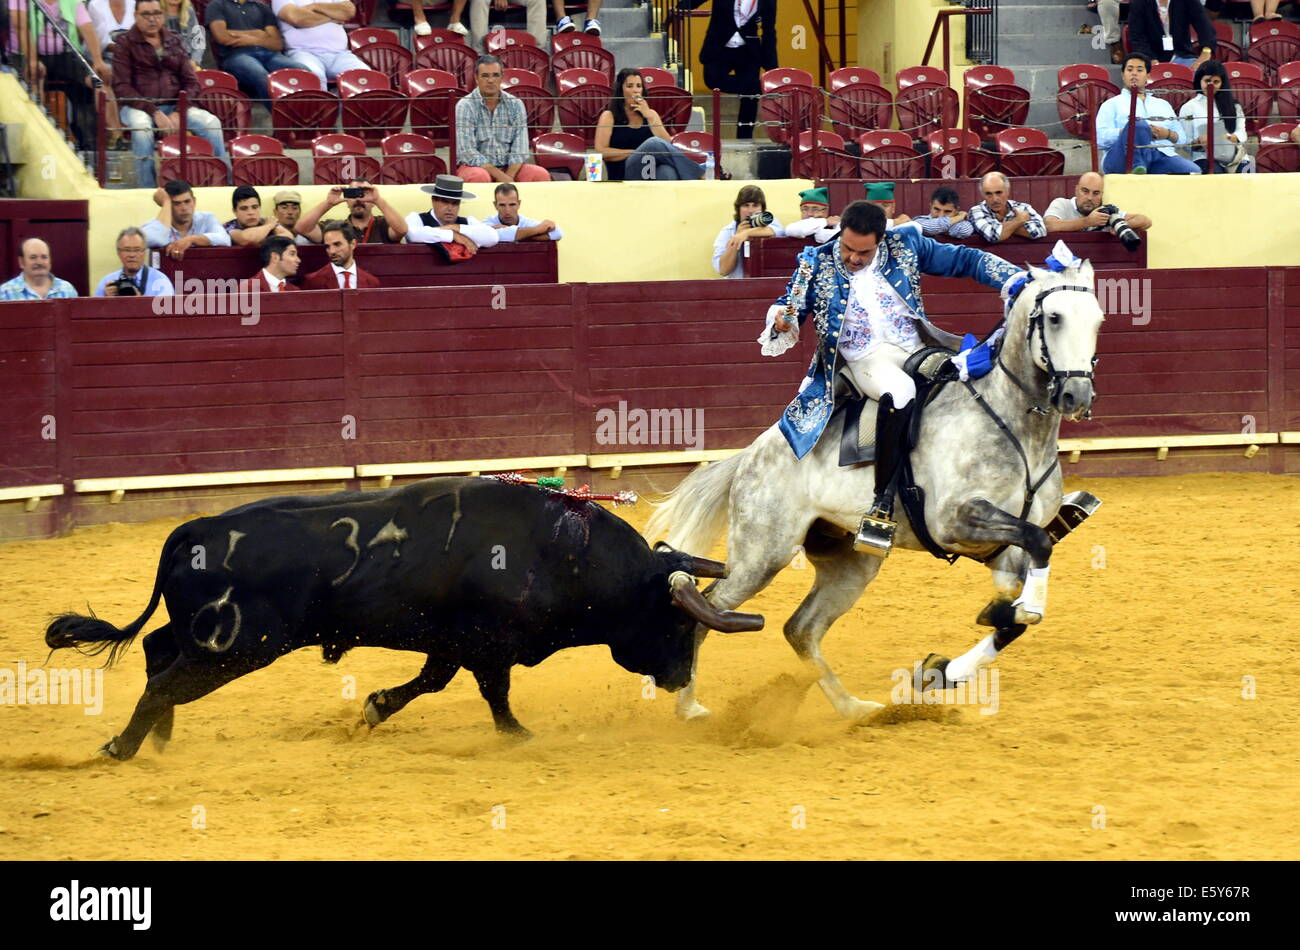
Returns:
(693, 711)
(933, 674)
(997, 613)
(372, 712)
(1027, 616)
(859, 709)
(109, 750)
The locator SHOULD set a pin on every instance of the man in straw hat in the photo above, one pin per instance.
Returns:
(443, 224)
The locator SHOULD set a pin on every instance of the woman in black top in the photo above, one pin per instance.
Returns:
(630, 130)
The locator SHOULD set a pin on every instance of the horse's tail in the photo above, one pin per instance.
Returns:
(695, 512)
(74, 630)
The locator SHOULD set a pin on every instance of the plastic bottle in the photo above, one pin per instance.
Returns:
(710, 167)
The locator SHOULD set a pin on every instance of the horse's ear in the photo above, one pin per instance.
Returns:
(1038, 273)
(1086, 275)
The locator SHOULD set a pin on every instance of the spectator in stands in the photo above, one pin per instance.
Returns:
(287, 208)
(150, 69)
(421, 26)
(444, 223)
(1229, 121)
(279, 262)
(1161, 29)
(247, 42)
(180, 18)
(945, 217)
(35, 280)
(997, 217)
(1109, 12)
(1084, 212)
(109, 19)
(1155, 120)
(147, 282)
(733, 53)
(630, 131)
(751, 220)
(178, 226)
(564, 23)
(1265, 10)
(49, 59)
(882, 193)
(534, 18)
(315, 38)
(815, 218)
(492, 131)
(388, 228)
(248, 226)
(342, 272)
(511, 226)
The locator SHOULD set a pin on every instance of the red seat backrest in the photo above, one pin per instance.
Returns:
(285, 82)
(337, 143)
(407, 143)
(517, 77)
(1260, 31)
(248, 146)
(1288, 74)
(423, 80)
(216, 79)
(851, 74)
(1171, 74)
(366, 35)
(1009, 140)
(1067, 75)
(171, 146)
(775, 79)
(499, 39)
(696, 143)
(438, 37)
(910, 75)
(987, 75)
(353, 82)
(579, 76)
(652, 76)
(1276, 133)
(943, 140)
(883, 138)
(571, 39)
(1244, 71)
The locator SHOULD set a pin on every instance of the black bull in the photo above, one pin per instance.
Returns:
(472, 572)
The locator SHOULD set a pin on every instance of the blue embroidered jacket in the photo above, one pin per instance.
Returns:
(820, 288)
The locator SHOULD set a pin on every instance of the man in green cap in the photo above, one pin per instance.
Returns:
(815, 216)
(882, 193)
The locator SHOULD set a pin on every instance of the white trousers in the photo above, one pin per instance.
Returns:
(881, 371)
(534, 15)
(1108, 10)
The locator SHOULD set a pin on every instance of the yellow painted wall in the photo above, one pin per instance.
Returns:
(893, 34)
(49, 167)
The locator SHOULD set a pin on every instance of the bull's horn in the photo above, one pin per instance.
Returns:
(688, 597)
(703, 567)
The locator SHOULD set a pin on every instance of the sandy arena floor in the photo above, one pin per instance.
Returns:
(1124, 710)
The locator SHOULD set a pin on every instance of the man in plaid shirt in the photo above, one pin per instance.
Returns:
(36, 282)
(997, 217)
(492, 131)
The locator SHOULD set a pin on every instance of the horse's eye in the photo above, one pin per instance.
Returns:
(1055, 319)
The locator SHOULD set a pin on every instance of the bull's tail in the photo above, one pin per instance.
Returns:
(91, 636)
(695, 512)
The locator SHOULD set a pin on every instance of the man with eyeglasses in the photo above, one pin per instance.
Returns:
(134, 278)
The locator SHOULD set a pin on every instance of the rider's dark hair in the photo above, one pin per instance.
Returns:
(864, 218)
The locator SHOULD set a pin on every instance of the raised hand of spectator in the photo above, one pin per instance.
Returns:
(165, 122)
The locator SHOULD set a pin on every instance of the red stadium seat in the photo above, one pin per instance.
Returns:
(362, 37)
(652, 76)
(300, 108)
(437, 37)
(260, 160)
(433, 94)
(1171, 82)
(1078, 72)
(697, 145)
(1288, 96)
(1278, 158)
(338, 158)
(202, 170)
(1276, 134)
(409, 160)
(391, 60)
(963, 146)
(251, 146)
(530, 58)
(521, 77)
(1229, 50)
(924, 107)
(829, 161)
(980, 76)
(219, 94)
(1025, 162)
(1015, 140)
(673, 105)
(501, 38)
(584, 94)
(790, 103)
(371, 108)
(888, 155)
(1077, 103)
(539, 107)
(584, 57)
(455, 58)
(1273, 43)
(848, 75)
(563, 41)
(911, 75)
(561, 151)
(1251, 89)
(994, 107)
(857, 107)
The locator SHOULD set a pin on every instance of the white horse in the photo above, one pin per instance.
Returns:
(982, 496)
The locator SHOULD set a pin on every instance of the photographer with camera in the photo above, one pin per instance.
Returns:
(1085, 212)
(133, 278)
(362, 198)
(751, 220)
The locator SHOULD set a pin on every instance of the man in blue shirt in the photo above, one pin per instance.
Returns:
(36, 282)
(246, 40)
(148, 281)
(1155, 123)
(178, 226)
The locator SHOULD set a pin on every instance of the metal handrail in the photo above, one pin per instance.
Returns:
(941, 18)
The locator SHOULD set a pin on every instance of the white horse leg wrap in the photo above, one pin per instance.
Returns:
(966, 665)
(1033, 598)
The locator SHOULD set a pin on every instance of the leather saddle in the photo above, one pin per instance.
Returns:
(853, 420)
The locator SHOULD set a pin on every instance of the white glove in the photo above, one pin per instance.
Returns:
(772, 342)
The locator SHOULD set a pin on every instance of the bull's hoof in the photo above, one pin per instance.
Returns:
(374, 714)
(933, 674)
(693, 711)
(159, 743)
(109, 750)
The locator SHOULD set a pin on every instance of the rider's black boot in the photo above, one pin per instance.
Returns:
(876, 533)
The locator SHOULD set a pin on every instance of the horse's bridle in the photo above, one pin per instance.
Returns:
(1056, 377)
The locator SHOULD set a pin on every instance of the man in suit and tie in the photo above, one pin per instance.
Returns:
(341, 272)
(279, 263)
(733, 53)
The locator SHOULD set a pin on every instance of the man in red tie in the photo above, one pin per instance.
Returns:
(279, 263)
(342, 272)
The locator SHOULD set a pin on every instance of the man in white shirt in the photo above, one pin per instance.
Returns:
(279, 262)
(179, 226)
(314, 36)
(815, 218)
(511, 225)
(1084, 212)
(443, 224)
(1156, 123)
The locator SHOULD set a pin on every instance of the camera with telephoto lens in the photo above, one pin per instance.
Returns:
(1119, 227)
(761, 220)
(126, 287)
